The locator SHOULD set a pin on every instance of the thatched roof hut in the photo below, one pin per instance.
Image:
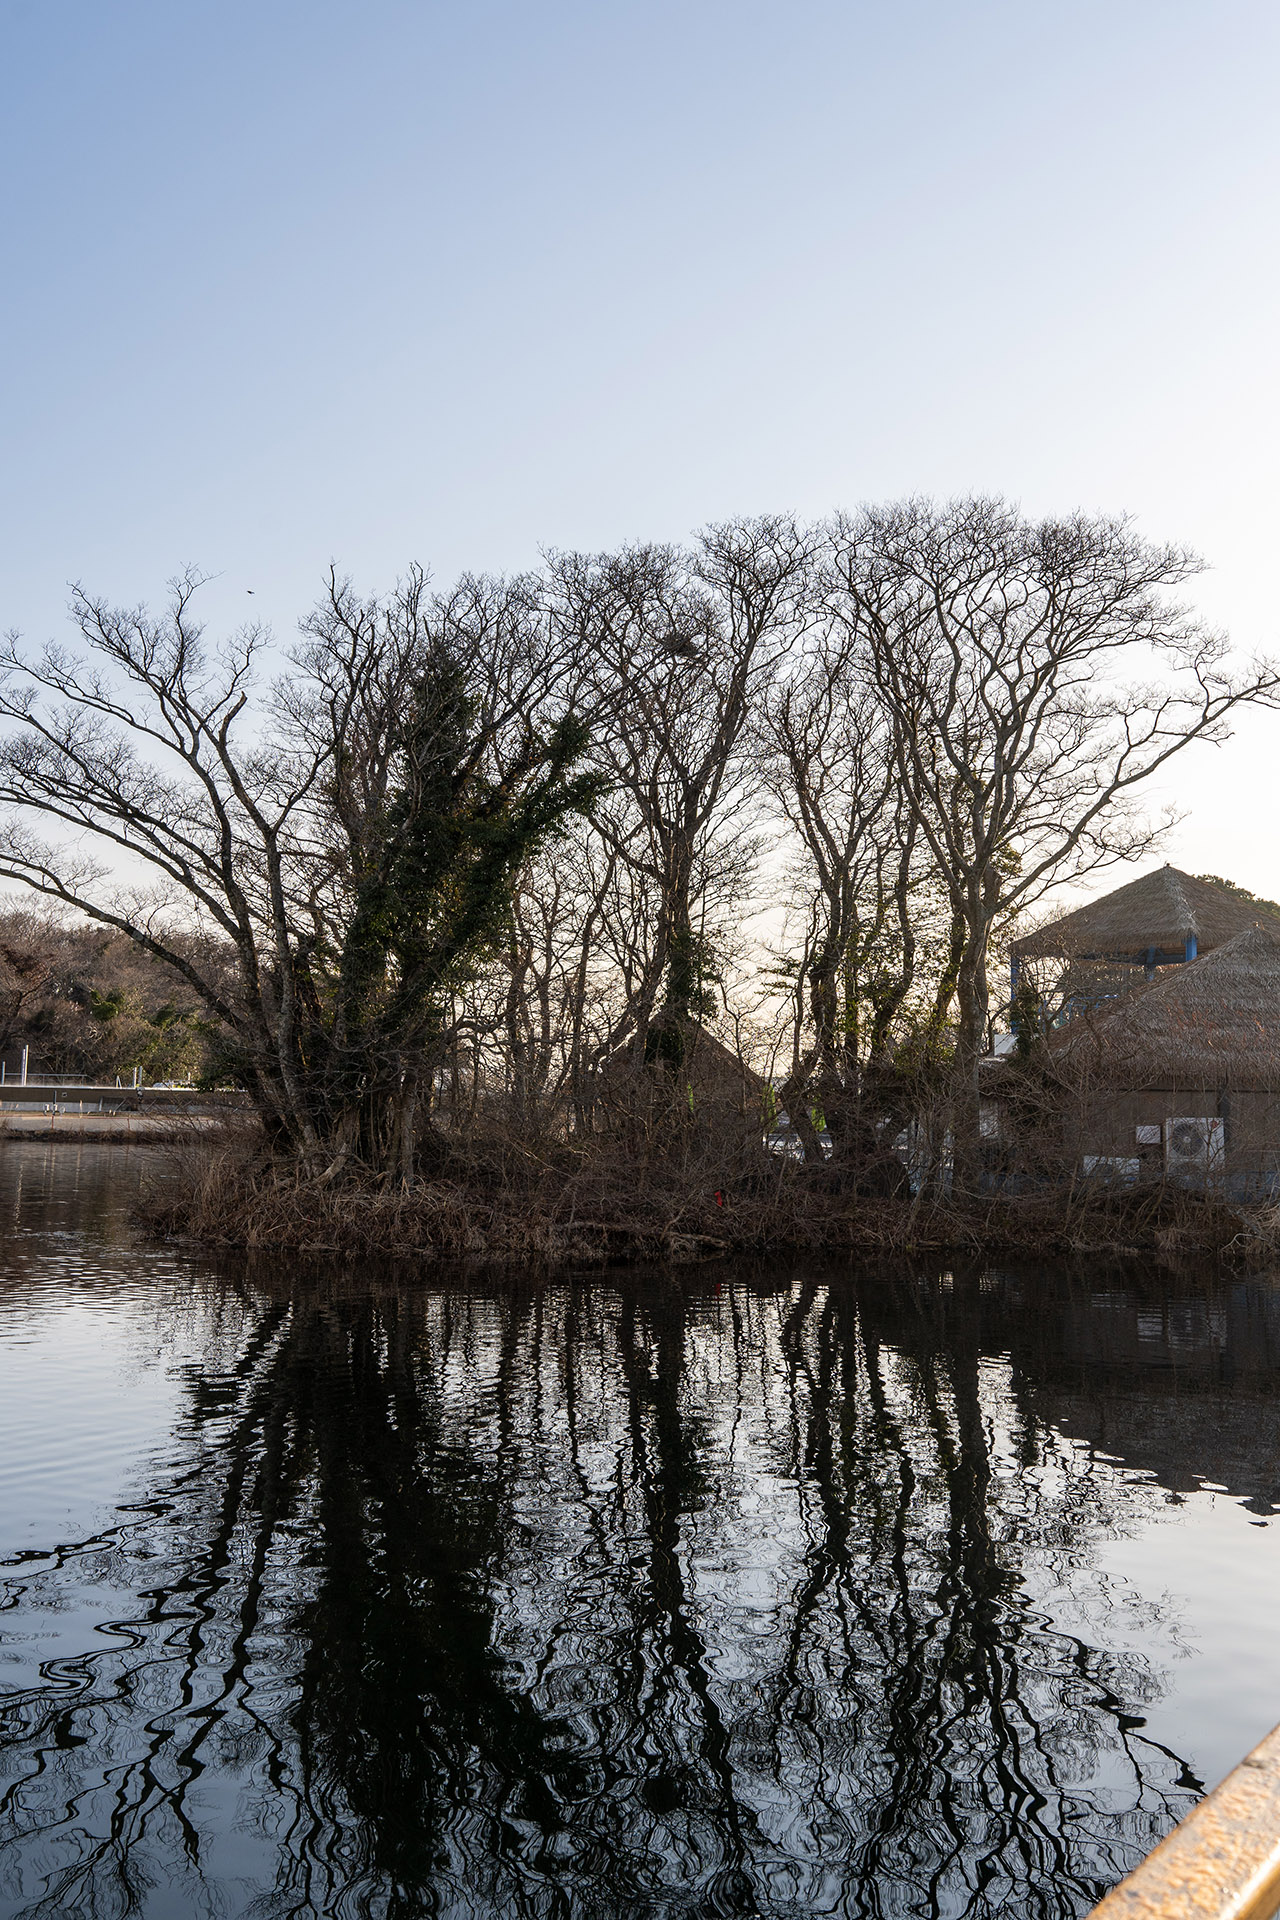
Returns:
(1163, 917)
(1177, 1080)
(1211, 1025)
(711, 1083)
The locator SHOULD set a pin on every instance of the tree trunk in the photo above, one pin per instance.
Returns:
(973, 1004)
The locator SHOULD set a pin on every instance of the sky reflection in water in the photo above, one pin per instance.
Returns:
(614, 1597)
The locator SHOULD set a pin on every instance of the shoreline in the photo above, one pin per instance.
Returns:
(606, 1214)
(225, 1193)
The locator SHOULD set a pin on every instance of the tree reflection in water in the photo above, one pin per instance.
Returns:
(610, 1599)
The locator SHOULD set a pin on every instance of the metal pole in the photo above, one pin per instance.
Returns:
(25, 1052)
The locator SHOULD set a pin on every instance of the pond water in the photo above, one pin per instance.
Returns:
(772, 1592)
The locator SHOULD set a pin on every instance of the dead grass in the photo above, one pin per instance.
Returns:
(512, 1201)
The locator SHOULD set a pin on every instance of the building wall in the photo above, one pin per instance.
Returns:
(1107, 1125)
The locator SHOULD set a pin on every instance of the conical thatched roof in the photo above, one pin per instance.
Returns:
(1162, 910)
(1213, 1024)
(711, 1074)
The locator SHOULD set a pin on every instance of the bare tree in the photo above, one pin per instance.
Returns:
(684, 642)
(473, 846)
(133, 754)
(998, 646)
(353, 839)
(826, 747)
(475, 753)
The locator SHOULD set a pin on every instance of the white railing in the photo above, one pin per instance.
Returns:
(137, 1084)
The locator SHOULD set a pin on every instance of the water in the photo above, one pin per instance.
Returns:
(776, 1593)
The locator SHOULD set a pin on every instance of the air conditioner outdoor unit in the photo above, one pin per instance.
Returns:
(1194, 1150)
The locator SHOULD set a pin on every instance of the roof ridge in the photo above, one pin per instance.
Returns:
(1177, 877)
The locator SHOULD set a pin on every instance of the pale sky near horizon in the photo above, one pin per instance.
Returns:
(288, 283)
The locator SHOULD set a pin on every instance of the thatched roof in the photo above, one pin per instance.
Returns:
(1213, 1024)
(711, 1072)
(1162, 910)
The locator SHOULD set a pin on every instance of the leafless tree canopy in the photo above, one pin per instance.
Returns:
(1035, 676)
(488, 848)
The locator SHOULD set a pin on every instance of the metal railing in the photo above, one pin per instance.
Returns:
(27, 1076)
(1222, 1862)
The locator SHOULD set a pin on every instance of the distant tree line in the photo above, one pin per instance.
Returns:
(476, 847)
(81, 1000)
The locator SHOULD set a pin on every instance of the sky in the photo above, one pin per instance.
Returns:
(287, 284)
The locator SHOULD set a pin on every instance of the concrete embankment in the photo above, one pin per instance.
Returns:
(68, 1110)
(135, 1127)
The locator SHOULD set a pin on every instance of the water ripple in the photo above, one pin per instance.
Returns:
(364, 1595)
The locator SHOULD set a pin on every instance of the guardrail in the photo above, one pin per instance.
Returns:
(44, 1092)
(1222, 1862)
(23, 1076)
(35, 1097)
(137, 1084)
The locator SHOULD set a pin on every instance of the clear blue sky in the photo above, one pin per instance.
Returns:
(387, 281)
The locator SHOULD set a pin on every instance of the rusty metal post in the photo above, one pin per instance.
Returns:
(1222, 1862)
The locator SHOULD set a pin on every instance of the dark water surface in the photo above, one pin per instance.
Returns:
(778, 1593)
